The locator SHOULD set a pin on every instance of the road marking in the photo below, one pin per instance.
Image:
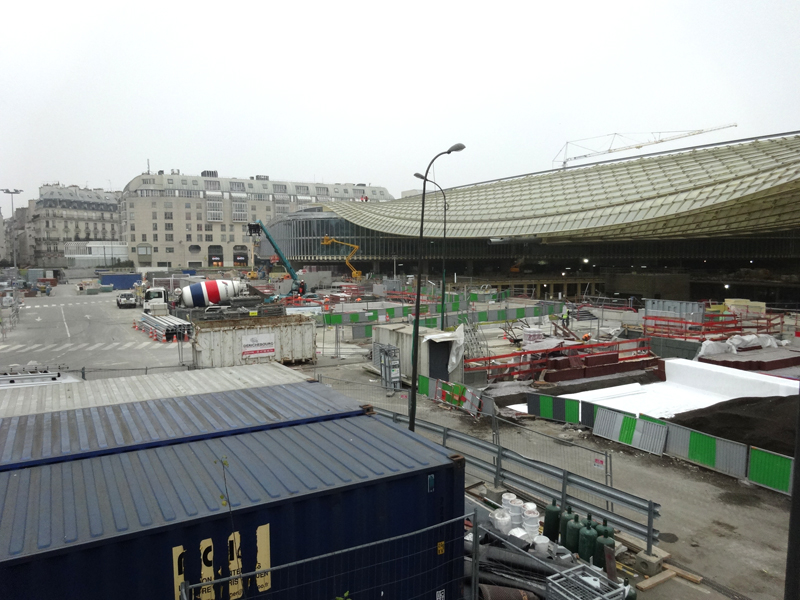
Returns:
(64, 347)
(3, 346)
(12, 348)
(65, 321)
(144, 345)
(38, 306)
(95, 346)
(32, 347)
(61, 305)
(47, 347)
(128, 345)
(110, 346)
(79, 346)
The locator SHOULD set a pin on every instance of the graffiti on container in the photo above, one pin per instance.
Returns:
(257, 344)
(206, 555)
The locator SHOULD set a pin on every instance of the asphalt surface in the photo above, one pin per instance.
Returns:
(70, 330)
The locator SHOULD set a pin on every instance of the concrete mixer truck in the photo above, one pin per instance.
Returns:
(209, 293)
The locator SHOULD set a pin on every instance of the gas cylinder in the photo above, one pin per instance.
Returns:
(599, 548)
(604, 529)
(631, 590)
(552, 515)
(586, 542)
(566, 517)
(587, 522)
(573, 535)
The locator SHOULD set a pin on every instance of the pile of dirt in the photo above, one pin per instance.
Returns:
(767, 423)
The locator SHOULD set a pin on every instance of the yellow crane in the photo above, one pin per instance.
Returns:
(355, 273)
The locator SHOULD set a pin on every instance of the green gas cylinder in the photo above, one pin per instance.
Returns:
(552, 515)
(631, 595)
(604, 529)
(587, 522)
(573, 535)
(586, 542)
(566, 517)
(599, 549)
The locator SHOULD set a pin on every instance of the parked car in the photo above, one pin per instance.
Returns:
(126, 299)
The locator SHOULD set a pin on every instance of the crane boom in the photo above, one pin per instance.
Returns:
(256, 229)
(355, 273)
(639, 145)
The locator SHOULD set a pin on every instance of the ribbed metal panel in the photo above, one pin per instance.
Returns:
(677, 441)
(607, 424)
(731, 458)
(66, 505)
(84, 394)
(66, 435)
(650, 437)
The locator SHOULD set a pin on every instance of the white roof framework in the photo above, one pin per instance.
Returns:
(732, 190)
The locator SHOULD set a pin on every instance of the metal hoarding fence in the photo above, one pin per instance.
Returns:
(626, 429)
(721, 455)
(770, 470)
(554, 408)
(427, 563)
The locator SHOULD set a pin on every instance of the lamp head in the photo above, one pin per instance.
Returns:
(456, 148)
(419, 176)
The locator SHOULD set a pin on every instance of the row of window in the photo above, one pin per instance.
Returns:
(277, 188)
(168, 237)
(238, 186)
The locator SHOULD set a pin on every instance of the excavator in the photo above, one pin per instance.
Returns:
(354, 273)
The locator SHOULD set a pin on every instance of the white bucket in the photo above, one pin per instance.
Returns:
(528, 506)
(507, 498)
(530, 517)
(515, 509)
(540, 543)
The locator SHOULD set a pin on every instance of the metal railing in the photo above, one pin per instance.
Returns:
(427, 563)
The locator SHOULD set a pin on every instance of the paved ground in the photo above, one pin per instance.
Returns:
(67, 329)
(732, 534)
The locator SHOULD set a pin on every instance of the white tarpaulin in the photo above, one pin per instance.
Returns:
(456, 349)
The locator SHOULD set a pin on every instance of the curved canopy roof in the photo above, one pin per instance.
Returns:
(738, 189)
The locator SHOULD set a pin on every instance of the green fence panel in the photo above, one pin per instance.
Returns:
(483, 316)
(546, 407)
(770, 470)
(520, 313)
(406, 310)
(336, 320)
(627, 430)
(702, 449)
(501, 315)
(456, 305)
(355, 317)
(473, 297)
(422, 385)
(572, 411)
(372, 315)
(368, 331)
(651, 419)
(390, 313)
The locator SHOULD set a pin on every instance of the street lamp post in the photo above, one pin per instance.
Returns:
(444, 238)
(13, 234)
(412, 397)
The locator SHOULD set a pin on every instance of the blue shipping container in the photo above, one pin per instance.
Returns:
(120, 281)
(47, 438)
(136, 524)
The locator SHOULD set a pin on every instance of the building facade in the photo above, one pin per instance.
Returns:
(61, 214)
(188, 221)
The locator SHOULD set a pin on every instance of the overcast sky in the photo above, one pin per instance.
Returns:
(370, 92)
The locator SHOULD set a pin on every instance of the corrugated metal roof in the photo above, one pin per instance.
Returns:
(46, 438)
(62, 506)
(720, 191)
(121, 390)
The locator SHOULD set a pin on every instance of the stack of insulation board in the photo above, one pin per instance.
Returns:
(127, 499)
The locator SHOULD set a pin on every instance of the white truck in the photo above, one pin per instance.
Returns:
(155, 302)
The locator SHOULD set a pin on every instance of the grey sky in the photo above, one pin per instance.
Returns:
(371, 91)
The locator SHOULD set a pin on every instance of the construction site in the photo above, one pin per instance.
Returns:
(501, 412)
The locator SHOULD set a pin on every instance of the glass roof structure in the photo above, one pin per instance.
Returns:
(738, 189)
